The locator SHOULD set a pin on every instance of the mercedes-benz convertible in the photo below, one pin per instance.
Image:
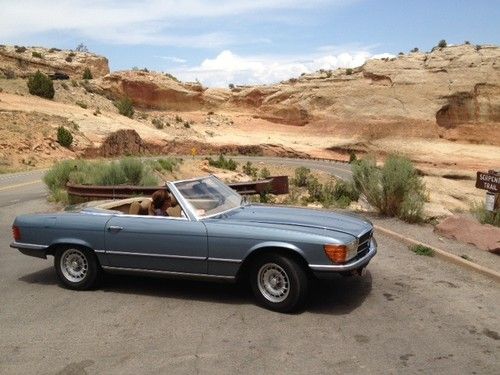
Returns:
(208, 232)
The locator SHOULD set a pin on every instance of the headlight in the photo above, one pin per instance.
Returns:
(341, 253)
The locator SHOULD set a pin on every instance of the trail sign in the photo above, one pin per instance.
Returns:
(488, 181)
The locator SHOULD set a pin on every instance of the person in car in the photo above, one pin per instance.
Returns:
(161, 201)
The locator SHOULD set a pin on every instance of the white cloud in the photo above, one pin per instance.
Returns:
(173, 59)
(228, 67)
(153, 22)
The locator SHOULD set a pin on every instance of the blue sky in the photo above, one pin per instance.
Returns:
(258, 41)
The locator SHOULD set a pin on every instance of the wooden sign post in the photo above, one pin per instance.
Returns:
(490, 181)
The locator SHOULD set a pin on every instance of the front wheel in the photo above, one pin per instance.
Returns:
(77, 268)
(279, 283)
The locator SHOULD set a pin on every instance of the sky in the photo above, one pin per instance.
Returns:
(246, 41)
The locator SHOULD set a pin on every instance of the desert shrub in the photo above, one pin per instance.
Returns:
(210, 113)
(41, 85)
(87, 74)
(168, 75)
(400, 54)
(52, 50)
(110, 174)
(315, 189)
(395, 189)
(250, 170)
(133, 170)
(68, 59)
(71, 54)
(125, 107)
(64, 137)
(82, 104)
(178, 118)
(264, 173)
(352, 157)
(168, 164)
(97, 111)
(223, 163)
(414, 50)
(74, 83)
(484, 216)
(38, 55)
(81, 48)
(301, 175)
(20, 49)
(467, 42)
(64, 85)
(158, 123)
(329, 74)
(187, 125)
(345, 190)
(348, 71)
(9, 74)
(59, 175)
(231, 86)
(442, 43)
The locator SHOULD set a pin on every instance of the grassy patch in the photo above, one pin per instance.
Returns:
(125, 171)
(484, 216)
(422, 250)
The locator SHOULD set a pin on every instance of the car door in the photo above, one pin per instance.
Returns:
(156, 243)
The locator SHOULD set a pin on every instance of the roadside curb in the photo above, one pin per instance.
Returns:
(443, 254)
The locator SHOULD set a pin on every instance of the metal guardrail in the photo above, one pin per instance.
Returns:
(274, 185)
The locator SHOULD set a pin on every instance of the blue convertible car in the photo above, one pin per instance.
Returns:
(210, 232)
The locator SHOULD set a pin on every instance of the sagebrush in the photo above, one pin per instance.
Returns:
(395, 189)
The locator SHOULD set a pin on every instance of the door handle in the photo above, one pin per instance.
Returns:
(113, 228)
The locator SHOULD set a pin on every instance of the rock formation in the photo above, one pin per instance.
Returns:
(18, 61)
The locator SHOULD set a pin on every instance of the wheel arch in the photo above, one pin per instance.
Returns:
(280, 248)
(66, 242)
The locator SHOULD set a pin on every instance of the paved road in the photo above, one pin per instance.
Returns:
(409, 314)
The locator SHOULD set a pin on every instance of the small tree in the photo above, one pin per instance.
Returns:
(87, 74)
(64, 137)
(125, 107)
(348, 71)
(231, 86)
(442, 43)
(414, 50)
(81, 48)
(41, 85)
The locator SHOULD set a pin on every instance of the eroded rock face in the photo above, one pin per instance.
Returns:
(22, 62)
(157, 91)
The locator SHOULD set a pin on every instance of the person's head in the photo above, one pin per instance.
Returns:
(160, 198)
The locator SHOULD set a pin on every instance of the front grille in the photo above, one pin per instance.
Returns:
(364, 241)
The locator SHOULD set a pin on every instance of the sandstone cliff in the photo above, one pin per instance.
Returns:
(21, 62)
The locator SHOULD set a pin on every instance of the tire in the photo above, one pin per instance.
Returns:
(77, 267)
(279, 283)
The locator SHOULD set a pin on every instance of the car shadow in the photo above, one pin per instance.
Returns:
(338, 296)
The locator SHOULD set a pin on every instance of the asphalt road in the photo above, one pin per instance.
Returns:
(408, 314)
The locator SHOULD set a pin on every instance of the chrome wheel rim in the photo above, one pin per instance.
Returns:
(74, 265)
(273, 282)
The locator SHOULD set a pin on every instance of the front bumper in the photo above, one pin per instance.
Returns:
(325, 270)
(32, 250)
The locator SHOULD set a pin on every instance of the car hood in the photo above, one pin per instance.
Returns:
(302, 217)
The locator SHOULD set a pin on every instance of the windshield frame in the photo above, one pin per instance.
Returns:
(189, 208)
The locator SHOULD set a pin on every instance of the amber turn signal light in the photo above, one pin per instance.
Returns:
(336, 253)
(16, 233)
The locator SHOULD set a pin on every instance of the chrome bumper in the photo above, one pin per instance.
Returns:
(349, 266)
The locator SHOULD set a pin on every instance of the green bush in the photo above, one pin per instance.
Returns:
(158, 123)
(484, 216)
(301, 175)
(20, 49)
(348, 71)
(264, 173)
(64, 137)
(68, 59)
(395, 189)
(223, 163)
(352, 157)
(250, 170)
(38, 55)
(414, 50)
(125, 107)
(41, 85)
(442, 43)
(87, 74)
(133, 169)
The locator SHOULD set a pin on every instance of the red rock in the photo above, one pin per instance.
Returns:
(465, 229)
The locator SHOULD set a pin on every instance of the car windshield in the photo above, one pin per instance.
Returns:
(208, 196)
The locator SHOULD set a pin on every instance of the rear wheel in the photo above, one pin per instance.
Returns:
(77, 267)
(279, 283)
